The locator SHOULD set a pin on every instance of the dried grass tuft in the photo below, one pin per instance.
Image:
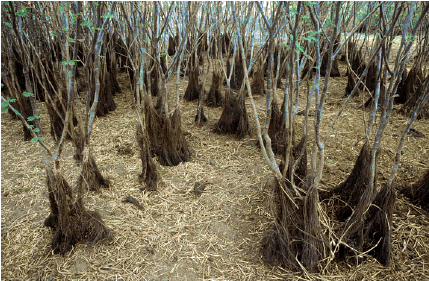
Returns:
(106, 102)
(194, 88)
(296, 241)
(419, 192)
(378, 224)
(200, 113)
(277, 129)
(357, 65)
(351, 190)
(69, 219)
(238, 72)
(335, 71)
(214, 97)
(257, 85)
(154, 78)
(149, 174)
(234, 118)
(415, 99)
(166, 137)
(402, 92)
(315, 246)
(278, 248)
(91, 178)
(172, 44)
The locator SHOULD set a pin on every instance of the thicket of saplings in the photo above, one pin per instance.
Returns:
(62, 53)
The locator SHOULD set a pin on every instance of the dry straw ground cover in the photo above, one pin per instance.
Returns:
(179, 235)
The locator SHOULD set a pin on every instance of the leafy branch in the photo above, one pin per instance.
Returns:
(6, 103)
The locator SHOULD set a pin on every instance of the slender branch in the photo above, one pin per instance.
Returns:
(27, 126)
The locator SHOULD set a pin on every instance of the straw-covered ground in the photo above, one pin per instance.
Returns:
(179, 235)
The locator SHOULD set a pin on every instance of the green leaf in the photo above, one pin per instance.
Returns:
(4, 105)
(71, 40)
(36, 130)
(3, 109)
(74, 18)
(307, 56)
(80, 40)
(8, 24)
(31, 127)
(36, 139)
(72, 62)
(65, 28)
(309, 3)
(85, 23)
(109, 16)
(298, 46)
(31, 118)
(96, 4)
(64, 62)
(22, 13)
(10, 100)
(27, 94)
